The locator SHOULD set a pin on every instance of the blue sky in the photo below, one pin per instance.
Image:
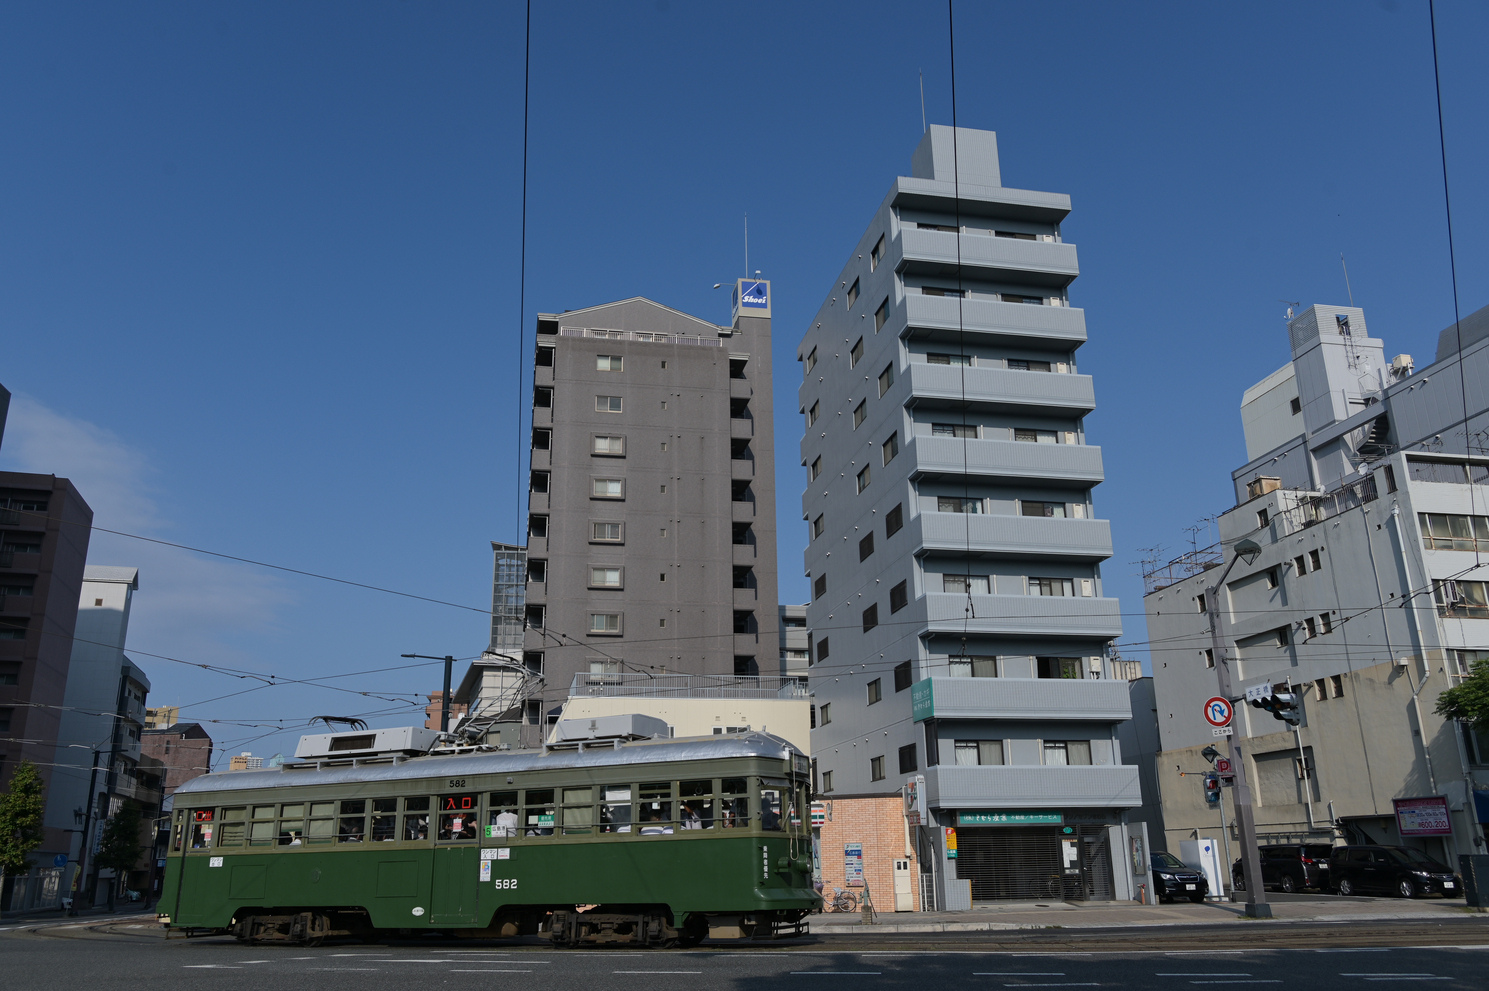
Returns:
(259, 262)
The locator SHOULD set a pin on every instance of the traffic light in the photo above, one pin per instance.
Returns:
(1212, 789)
(1282, 705)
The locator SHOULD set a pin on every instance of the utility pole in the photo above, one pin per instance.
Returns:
(81, 877)
(1256, 896)
(444, 706)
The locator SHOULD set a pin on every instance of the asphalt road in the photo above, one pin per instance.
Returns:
(114, 955)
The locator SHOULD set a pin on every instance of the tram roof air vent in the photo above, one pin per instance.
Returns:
(409, 740)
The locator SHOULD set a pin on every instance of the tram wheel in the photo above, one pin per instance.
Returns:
(694, 930)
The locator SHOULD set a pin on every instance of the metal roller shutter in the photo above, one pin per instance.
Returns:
(1027, 863)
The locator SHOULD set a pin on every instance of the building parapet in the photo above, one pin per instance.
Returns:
(686, 686)
(638, 335)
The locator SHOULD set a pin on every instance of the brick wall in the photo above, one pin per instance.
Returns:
(879, 824)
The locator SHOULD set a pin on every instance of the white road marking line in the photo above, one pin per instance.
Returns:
(1018, 973)
(1259, 980)
(1064, 984)
(656, 972)
(491, 972)
(209, 966)
(348, 970)
(835, 973)
(1381, 973)
(1371, 949)
(253, 961)
(1190, 973)
(1409, 977)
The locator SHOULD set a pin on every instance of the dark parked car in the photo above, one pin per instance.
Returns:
(1172, 877)
(1397, 870)
(1290, 867)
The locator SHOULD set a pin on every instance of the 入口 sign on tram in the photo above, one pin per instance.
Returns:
(1009, 818)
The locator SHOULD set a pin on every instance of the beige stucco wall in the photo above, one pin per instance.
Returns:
(789, 719)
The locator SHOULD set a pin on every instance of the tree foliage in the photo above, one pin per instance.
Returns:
(119, 847)
(1469, 700)
(21, 809)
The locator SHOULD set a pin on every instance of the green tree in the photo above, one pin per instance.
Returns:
(21, 809)
(1469, 700)
(119, 847)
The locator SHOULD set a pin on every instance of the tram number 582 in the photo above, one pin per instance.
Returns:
(506, 882)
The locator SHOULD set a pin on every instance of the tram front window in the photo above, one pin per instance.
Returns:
(772, 812)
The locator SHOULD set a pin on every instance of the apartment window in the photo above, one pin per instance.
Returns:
(881, 316)
(859, 412)
(604, 578)
(908, 763)
(1297, 405)
(863, 478)
(744, 621)
(537, 571)
(941, 291)
(891, 447)
(1034, 436)
(609, 362)
(537, 526)
(1051, 586)
(886, 378)
(853, 293)
(1451, 532)
(1262, 519)
(893, 520)
(1199, 602)
(1058, 667)
(535, 617)
(1310, 627)
(1028, 507)
(744, 577)
(972, 667)
(1013, 297)
(544, 357)
(542, 439)
(856, 354)
(607, 404)
(739, 491)
(1209, 657)
(604, 533)
(965, 584)
(1062, 752)
(827, 781)
(540, 481)
(824, 713)
(1390, 478)
(739, 409)
(604, 622)
(948, 359)
(607, 488)
(876, 254)
(1325, 624)
(1026, 365)
(866, 546)
(876, 691)
(899, 597)
(1274, 577)
(813, 413)
(1016, 235)
(742, 533)
(971, 753)
(816, 468)
(819, 587)
(902, 676)
(966, 431)
(817, 527)
(821, 650)
(958, 504)
(1300, 564)
(542, 397)
(876, 768)
(10, 672)
(1315, 559)
(811, 361)
(608, 445)
(5, 717)
(871, 617)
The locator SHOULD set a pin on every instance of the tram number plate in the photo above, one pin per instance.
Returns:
(505, 882)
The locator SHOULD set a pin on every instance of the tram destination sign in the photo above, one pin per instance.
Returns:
(1009, 819)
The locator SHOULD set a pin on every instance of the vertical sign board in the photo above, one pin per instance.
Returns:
(1423, 816)
(950, 842)
(922, 700)
(914, 795)
(853, 864)
(752, 298)
(819, 814)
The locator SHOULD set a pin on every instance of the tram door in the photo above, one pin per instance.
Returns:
(457, 865)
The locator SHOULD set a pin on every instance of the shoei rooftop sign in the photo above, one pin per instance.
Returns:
(752, 298)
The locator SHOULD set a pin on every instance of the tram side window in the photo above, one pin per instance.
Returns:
(261, 828)
(615, 809)
(321, 828)
(697, 804)
(537, 812)
(384, 820)
(202, 829)
(734, 805)
(501, 817)
(292, 824)
(351, 827)
(578, 812)
(416, 819)
(771, 793)
(179, 831)
(457, 819)
(656, 808)
(233, 828)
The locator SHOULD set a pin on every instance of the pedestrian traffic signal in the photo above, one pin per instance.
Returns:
(1282, 705)
(1212, 789)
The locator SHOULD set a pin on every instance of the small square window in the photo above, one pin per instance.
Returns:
(853, 293)
(876, 254)
(1209, 657)
(1297, 405)
(811, 361)
(824, 713)
(891, 447)
(881, 316)
(604, 622)
(816, 468)
(894, 520)
(859, 412)
(876, 691)
(1262, 519)
(871, 617)
(1315, 560)
(609, 362)
(608, 445)
(827, 781)
(817, 527)
(863, 478)
(607, 404)
(605, 533)
(1325, 624)
(1336, 686)
(856, 354)
(813, 413)
(605, 577)
(819, 587)
(821, 650)
(608, 488)
(899, 597)
(908, 763)
(876, 768)
(902, 676)
(866, 547)
(886, 378)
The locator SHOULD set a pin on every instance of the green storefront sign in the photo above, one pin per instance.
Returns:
(1009, 819)
(922, 700)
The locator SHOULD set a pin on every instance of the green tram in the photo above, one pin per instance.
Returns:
(653, 842)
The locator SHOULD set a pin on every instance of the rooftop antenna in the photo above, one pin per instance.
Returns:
(923, 128)
(1348, 291)
(747, 247)
(1292, 304)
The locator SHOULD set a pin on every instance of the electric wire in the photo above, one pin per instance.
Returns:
(521, 362)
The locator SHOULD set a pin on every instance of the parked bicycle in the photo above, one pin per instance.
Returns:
(843, 901)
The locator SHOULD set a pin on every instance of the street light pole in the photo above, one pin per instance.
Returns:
(444, 706)
(1256, 896)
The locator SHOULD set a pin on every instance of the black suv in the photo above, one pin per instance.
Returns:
(1171, 877)
(1290, 867)
(1398, 870)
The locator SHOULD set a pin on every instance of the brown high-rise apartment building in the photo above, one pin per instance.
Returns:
(651, 540)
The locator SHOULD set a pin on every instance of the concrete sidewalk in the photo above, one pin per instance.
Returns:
(1107, 915)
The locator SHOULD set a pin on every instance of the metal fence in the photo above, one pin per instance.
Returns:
(37, 892)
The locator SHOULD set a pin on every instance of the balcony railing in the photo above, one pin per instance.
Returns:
(1005, 458)
(637, 335)
(1014, 535)
(1092, 786)
(1038, 615)
(685, 686)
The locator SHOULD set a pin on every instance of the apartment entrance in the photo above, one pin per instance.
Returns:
(1036, 863)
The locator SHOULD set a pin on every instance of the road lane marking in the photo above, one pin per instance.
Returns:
(656, 972)
(835, 973)
(1190, 973)
(209, 966)
(1052, 984)
(491, 972)
(1258, 980)
(1409, 977)
(1018, 973)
